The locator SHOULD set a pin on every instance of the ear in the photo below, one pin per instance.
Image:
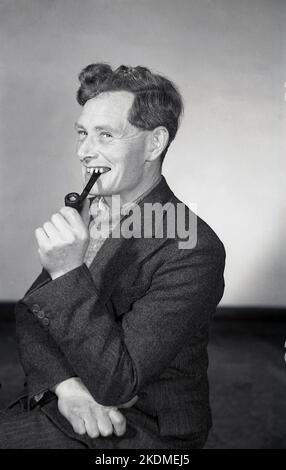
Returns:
(158, 140)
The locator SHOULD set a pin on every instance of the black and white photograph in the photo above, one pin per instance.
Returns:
(143, 227)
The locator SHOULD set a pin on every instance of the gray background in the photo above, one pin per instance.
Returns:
(228, 59)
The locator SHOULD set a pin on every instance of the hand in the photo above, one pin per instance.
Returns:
(63, 241)
(85, 415)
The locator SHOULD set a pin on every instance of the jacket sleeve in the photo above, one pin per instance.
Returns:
(42, 360)
(116, 358)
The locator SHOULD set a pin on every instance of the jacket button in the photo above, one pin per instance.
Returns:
(41, 314)
(45, 321)
(35, 308)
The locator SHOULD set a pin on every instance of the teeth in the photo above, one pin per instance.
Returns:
(97, 170)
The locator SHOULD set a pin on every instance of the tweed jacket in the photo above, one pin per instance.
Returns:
(134, 323)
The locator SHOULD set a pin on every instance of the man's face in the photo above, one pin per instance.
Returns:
(107, 139)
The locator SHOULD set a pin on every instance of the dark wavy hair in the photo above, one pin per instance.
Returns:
(157, 101)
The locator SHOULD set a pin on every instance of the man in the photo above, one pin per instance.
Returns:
(113, 334)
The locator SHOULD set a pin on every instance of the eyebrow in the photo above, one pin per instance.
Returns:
(77, 124)
(97, 128)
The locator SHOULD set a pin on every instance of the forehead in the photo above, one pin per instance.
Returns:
(110, 107)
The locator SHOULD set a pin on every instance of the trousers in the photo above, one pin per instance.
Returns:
(21, 428)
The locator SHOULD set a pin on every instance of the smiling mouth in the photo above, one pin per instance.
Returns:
(98, 169)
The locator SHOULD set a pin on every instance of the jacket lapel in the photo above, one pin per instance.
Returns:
(116, 254)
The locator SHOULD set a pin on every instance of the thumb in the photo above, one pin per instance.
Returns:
(85, 212)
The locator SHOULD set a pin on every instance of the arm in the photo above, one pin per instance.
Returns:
(116, 359)
(42, 360)
(46, 368)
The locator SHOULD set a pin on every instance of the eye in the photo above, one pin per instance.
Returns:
(106, 135)
(81, 133)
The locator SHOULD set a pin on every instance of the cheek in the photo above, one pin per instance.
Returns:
(135, 156)
(132, 166)
(127, 158)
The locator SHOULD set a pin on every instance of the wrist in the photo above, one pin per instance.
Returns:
(67, 386)
(56, 274)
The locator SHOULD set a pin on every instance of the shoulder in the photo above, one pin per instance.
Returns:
(194, 235)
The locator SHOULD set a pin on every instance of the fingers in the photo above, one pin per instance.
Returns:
(76, 223)
(42, 237)
(71, 216)
(57, 229)
(51, 230)
(98, 422)
(78, 425)
(118, 422)
(103, 422)
(107, 423)
(91, 426)
(61, 224)
(92, 418)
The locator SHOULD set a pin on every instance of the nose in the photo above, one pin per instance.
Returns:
(86, 160)
(87, 149)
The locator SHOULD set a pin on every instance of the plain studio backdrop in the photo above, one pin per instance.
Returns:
(227, 58)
